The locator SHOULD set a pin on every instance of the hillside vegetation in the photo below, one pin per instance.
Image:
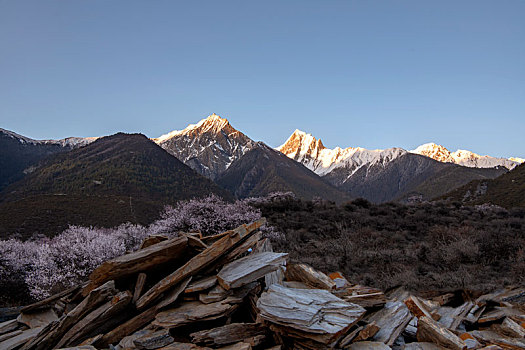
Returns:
(116, 179)
(428, 246)
(507, 190)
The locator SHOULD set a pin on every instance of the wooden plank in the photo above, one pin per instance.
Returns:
(250, 268)
(183, 346)
(431, 331)
(139, 285)
(228, 334)
(138, 261)
(308, 275)
(391, 320)
(95, 319)
(195, 242)
(200, 261)
(310, 311)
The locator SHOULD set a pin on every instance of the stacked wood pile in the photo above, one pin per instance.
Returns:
(230, 291)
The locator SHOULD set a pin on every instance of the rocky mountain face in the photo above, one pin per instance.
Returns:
(262, 170)
(465, 158)
(209, 147)
(380, 175)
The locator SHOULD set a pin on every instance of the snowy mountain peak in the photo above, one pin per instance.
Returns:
(209, 147)
(464, 157)
(311, 152)
(69, 142)
(435, 151)
(213, 123)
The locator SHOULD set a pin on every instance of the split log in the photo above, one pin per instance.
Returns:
(141, 279)
(250, 268)
(296, 284)
(308, 275)
(474, 314)
(154, 340)
(391, 320)
(240, 249)
(316, 314)
(201, 284)
(200, 261)
(470, 341)
(49, 336)
(95, 319)
(138, 261)
(20, 339)
(497, 314)
(432, 331)
(37, 319)
(228, 334)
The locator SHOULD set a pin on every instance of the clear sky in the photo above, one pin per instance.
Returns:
(374, 74)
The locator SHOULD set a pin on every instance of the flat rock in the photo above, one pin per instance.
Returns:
(309, 311)
(368, 345)
(22, 338)
(37, 319)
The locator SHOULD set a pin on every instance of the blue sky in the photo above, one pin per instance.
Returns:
(374, 74)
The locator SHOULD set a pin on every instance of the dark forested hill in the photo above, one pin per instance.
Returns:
(507, 190)
(263, 170)
(119, 178)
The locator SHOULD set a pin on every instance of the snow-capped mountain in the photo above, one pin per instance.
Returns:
(209, 147)
(310, 151)
(69, 142)
(381, 175)
(465, 158)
